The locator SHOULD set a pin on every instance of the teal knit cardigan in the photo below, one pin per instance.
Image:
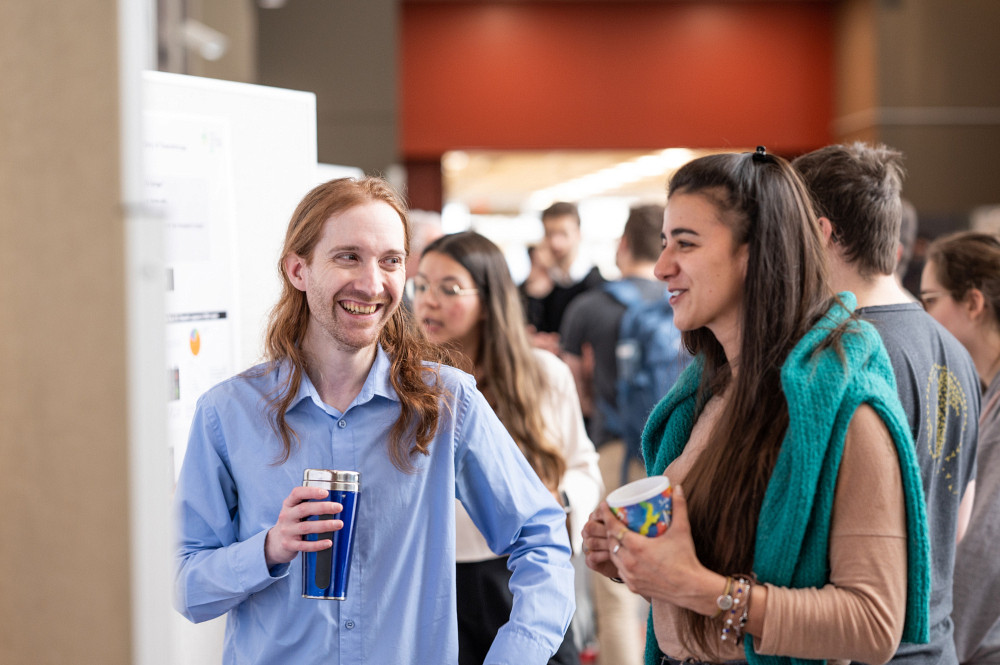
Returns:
(823, 389)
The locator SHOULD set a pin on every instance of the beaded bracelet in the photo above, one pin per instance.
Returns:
(746, 604)
(741, 595)
(746, 612)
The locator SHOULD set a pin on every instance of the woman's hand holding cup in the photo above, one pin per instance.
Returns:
(666, 566)
(642, 505)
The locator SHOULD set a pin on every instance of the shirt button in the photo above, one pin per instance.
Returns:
(342, 424)
(349, 625)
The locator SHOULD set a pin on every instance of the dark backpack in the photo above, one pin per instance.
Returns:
(648, 357)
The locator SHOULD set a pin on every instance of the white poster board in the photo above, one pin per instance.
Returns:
(189, 181)
(225, 165)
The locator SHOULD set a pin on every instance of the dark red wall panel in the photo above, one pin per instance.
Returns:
(615, 75)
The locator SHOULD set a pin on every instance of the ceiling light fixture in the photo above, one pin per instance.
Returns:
(653, 165)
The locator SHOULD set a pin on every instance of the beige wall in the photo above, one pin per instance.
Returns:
(856, 77)
(345, 52)
(64, 591)
(924, 76)
(237, 19)
(940, 71)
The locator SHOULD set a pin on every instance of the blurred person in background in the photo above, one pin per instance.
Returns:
(425, 228)
(539, 281)
(590, 336)
(961, 289)
(909, 266)
(856, 189)
(570, 272)
(464, 299)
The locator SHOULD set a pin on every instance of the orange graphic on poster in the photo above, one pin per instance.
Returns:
(195, 341)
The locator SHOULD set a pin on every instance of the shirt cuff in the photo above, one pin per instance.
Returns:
(246, 560)
(513, 647)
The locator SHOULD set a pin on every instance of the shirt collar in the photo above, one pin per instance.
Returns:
(376, 384)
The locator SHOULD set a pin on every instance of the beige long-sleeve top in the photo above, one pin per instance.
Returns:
(859, 615)
(582, 480)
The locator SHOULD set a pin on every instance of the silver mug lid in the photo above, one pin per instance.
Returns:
(333, 479)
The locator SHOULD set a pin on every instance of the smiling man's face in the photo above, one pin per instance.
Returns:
(354, 279)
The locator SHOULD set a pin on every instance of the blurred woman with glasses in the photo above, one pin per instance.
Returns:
(464, 297)
(960, 287)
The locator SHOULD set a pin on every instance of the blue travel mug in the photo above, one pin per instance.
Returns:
(324, 573)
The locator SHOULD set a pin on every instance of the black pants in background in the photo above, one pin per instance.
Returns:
(484, 603)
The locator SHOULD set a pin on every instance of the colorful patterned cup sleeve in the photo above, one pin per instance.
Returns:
(644, 505)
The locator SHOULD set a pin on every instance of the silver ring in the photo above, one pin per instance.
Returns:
(614, 550)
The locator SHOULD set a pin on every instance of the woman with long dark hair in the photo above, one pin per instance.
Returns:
(960, 287)
(464, 298)
(798, 522)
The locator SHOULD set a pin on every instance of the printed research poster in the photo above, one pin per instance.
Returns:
(189, 180)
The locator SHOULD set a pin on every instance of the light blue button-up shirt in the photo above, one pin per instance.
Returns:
(400, 605)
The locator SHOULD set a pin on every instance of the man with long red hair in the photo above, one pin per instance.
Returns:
(349, 383)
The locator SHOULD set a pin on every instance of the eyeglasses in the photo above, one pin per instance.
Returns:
(419, 287)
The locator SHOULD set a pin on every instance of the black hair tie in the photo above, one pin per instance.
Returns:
(761, 156)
